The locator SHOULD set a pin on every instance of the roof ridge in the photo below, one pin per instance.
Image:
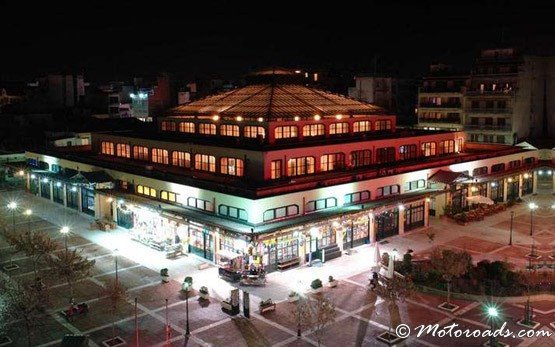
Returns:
(264, 87)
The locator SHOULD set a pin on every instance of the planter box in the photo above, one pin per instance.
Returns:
(165, 279)
(293, 298)
(114, 342)
(317, 290)
(332, 284)
(448, 307)
(532, 325)
(389, 338)
(204, 296)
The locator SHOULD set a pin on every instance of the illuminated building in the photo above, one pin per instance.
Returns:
(278, 170)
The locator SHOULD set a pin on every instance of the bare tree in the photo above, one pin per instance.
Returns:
(315, 314)
(394, 290)
(117, 294)
(36, 246)
(18, 304)
(450, 264)
(71, 266)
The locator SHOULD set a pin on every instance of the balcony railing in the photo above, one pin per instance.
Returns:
(490, 92)
(440, 89)
(489, 110)
(455, 120)
(445, 105)
(488, 127)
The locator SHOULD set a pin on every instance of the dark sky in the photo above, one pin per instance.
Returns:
(119, 38)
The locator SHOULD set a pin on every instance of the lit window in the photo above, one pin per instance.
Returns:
(207, 129)
(229, 130)
(361, 158)
(339, 128)
(382, 125)
(300, 166)
(140, 152)
(314, 130)
(205, 162)
(107, 148)
(187, 127)
(407, 152)
(160, 156)
(446, 147)
(168, 196)
(428, 149)
(144, 190)
(286, 132)
(275, 170)
(330, 162)
(362, 126)
(254, 132)
(181, 159)
(231, 166)
(123, 150)
(168, 126)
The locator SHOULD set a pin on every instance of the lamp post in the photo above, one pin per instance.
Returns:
(13, 206)
(492, 314)
(65, 230)
(116, 252)
(532, 207)
(28, 212)
(511, 234)
(187, 285)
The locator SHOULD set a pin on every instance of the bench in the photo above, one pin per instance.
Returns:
(267, 305)
(285, 264)
(226, 305)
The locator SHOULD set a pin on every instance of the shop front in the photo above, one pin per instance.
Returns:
(87, 201)
(282, 249)
(512, 188)
(479, 189)
(72, 197)
(34, 183)
(356, 232)
(45, 188)
(387, 224)
(414, 216)
(58, 192)
(458, 201)
(527, 184)
(497, 191)
(201, 240)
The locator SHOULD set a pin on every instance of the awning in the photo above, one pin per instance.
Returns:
(449, 177)
(224, 253)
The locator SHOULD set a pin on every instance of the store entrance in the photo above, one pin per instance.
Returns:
(124, 217)
(414, 216)
(387, 224)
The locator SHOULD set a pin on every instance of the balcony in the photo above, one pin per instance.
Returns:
(452, 120)
(445, 105)
(490, 92)
(456, 89)
(506, 110)
(488, 127)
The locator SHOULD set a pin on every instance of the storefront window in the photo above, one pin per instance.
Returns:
(87, 201)
(45, 189)
(387, 224)
(497, 191)
(414, 216)
(58, 192)
(72, 196)
(201, 241)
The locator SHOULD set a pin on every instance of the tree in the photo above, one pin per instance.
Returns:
(36, 246)
(117, 294)
(71, 266)
(450, 264)
(394, 290)
(18, 304)
(315, 314)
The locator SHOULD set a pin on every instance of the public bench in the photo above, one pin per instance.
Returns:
(267, 305)
(287, 263)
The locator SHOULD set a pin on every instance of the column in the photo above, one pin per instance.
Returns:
(504, 190)
(401, 221)
(372, 232)
(535, 183)
(426, 212)
(339, 236)
(51, 187)
(65, 195)
(520, 185)
(488, 190)
(79, 199)
(302, 247)
(39, 186)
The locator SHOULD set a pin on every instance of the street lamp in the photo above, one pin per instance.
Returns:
(116, 252)
(65, 230)
(532, 207)
(28, 212)
(492, 315)
(511, 234)
(13, 206)
(187, 285)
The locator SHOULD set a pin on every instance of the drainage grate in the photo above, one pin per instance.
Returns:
(11, 267)
(114, 342)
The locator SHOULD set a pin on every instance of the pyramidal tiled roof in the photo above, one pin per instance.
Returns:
(277, 101)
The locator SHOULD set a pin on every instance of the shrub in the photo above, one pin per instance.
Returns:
(189, 280)
(164, 272)
(203, 290)
(331, 279)
(317, 283)
(292, 293)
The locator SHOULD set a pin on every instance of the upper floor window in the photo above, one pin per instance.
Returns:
(205, 162)
(231, 166)
(388, 190)
(330, 162)
(229, 130)
(339, 128)
(460, 144)
(362, 126)
(140, 152)
(514, 163)
(320, 204)
(160, 156)
(480, 171)
(280, 212)
(186, 127)
(107, 148)
(446, 147)
(168, 126)
(275, 169)
(286, 132)
(361, 158)
(200, 204)
(207, 129)
(314, 130)
(168, 196)
(254, 131)
(407, 152)
(382, 125)
(529, 160)
(357, 197)
(428, 149)
(123, 150)
(181, 159)
(300, 166)
(498, 167)
(385, 155)
(144, 190)
(232, 212)
(413, 185)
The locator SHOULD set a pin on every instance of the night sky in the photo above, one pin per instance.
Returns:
(120, 39)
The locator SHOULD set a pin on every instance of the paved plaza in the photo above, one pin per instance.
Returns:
(361, 315)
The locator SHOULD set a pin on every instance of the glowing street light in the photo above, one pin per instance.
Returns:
(532, 207)
(492, 313)
(28, 212)
(13, 206)
(65, 231)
